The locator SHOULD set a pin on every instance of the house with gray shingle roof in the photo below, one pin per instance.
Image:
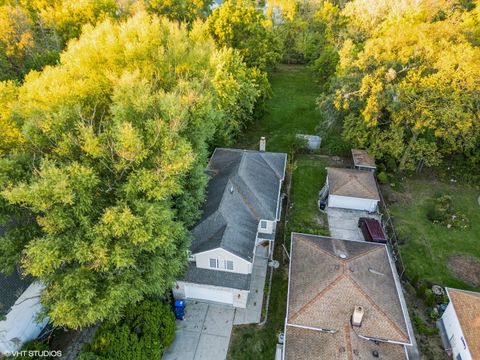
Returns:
(239, 215)
(19, 307)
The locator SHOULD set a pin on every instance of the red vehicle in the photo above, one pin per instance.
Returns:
(372, 230)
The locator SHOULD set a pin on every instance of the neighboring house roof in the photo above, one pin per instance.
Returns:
(362, 158)
(217, 278)
(243, 188)
(11, 287)
(352, 183)
(467, 309)
(328, 278)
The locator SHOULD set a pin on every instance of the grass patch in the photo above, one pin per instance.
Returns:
(309, 175)
(290, 110)
(426, 247)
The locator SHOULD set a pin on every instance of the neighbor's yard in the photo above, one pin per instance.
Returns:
(432, 251)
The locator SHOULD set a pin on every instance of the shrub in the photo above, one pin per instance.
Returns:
(382, 178)
(442, 212)
(421, 290)
(430, 298)
(423, 328)
(145, 331)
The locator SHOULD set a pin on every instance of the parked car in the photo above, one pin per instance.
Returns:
(372, 230)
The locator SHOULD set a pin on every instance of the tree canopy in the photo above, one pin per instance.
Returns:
(408, 81)
(108, 172)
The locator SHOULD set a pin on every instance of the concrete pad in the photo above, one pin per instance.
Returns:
(183, 347)
(219, 321)
(212, 347)
(195, 313)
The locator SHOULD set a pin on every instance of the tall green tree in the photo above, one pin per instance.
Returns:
(181, 10)
(109, 174)
(410, 90)
(238, 24)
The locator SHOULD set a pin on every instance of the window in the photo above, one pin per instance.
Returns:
(263, 224)
(214, 263)
(229, 265)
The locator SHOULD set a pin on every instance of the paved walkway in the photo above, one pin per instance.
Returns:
(204, 334)
(252, 314)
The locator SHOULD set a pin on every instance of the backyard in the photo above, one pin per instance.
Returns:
(290, 110)
(281, 121)
(434, 252)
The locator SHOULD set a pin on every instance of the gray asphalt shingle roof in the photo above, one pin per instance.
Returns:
(243, 188)
(217, 278)
(11, 286)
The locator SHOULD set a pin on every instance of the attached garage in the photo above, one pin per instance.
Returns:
(352, 189)
(210, 293)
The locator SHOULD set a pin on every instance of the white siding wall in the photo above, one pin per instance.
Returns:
(20, 323)
(185, 290)
(345, 202)
(453, 329)
(240, 265)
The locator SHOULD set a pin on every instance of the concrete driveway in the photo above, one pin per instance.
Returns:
(343, 223)
(204, 334)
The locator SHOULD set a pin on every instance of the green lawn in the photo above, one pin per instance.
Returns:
(427, 246)
(308, 178)
(291, 110)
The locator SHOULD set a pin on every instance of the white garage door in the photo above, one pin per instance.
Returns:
(212, 294)
(345, 202)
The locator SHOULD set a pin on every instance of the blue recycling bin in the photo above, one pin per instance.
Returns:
(179, 309)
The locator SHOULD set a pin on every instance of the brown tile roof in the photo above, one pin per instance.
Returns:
(328, 278)
(353, 183)
(306, 344)
(467, 308)
(361, 158)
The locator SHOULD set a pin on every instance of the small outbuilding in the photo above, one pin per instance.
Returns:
(352, 189)
(363, 161)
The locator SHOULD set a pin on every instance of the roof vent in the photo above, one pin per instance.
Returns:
(231, 190)
(375, 354)
(357, 316)
(342, 256)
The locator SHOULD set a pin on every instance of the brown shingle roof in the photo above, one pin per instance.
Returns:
(353, 183)
(328, 278)
(361, 158)
(467, 308)
(305, 344)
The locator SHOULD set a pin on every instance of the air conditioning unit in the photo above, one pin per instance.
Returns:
(357, 316)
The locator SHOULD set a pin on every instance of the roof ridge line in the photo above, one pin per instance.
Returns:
(370, 300)
(270, 166)
(320, 294)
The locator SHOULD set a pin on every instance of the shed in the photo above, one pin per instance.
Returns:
(363, 161)
(352, 189)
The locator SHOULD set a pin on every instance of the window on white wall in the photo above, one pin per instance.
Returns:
(229, 264)
(214, 263)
